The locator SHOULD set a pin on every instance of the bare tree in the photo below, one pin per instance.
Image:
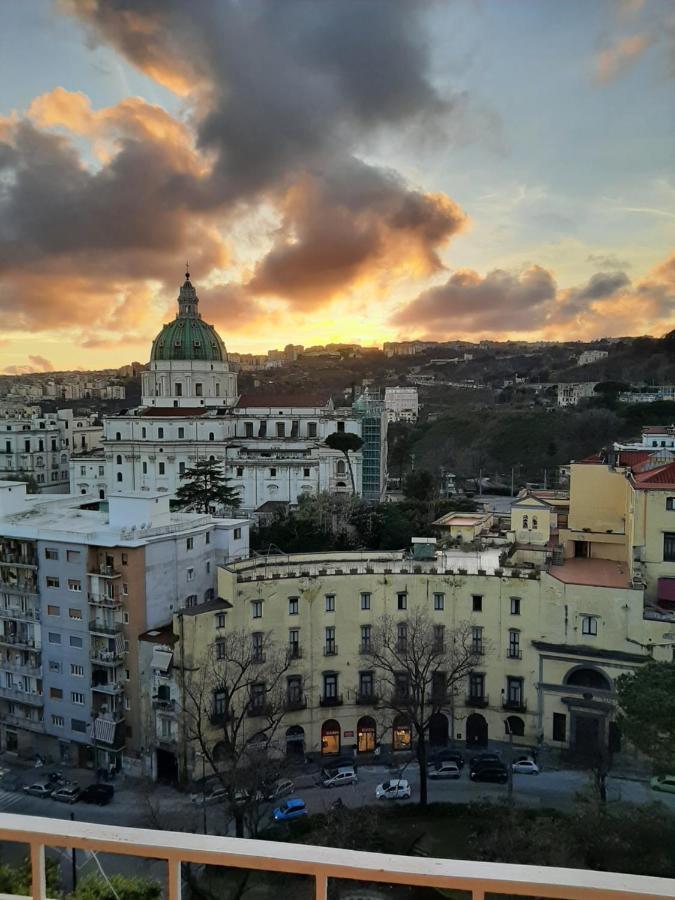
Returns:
(233, 704)
(419, 666)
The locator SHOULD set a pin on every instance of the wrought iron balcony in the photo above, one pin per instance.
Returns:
(295, 651)
(258, 709)
(367, 698)
(107, 628)
(106, 572)
(164, 705)
(334, 700)
(330, 649)
(478, 700)
(518, 704)
(514, 653)
(365, 647)
(295, 703)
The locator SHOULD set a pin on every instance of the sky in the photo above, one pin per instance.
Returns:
(333, 170)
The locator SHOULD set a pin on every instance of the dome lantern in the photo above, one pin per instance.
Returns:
(188, 337)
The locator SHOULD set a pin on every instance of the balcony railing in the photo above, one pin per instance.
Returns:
(514, 653)
(106, 572)
(478, 649)
(105, 600)
(365, 647)
(15, 612)
(518, 704)
(108, 687)
(257, 657)
(367, 698)
(18, 640)
(258, 709)
(107, 657)
(295, 651)
(10, 557)
(107, 628)
(477, 700)
(295, 703)
(330, 649)
(333, 700)
(164, 705)
(478, 879)
(219, 717)
(18, 694)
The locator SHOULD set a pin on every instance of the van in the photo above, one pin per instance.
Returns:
(337, 777)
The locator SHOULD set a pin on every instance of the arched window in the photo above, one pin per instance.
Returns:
(118, 459)
(514, 725)
(525, 522)
(534, 521)
(340, 467)
(118, 436)
(588, 677)
(330, 737)
(119, 476)
(212, 436)
(366, 735)
(401, 734)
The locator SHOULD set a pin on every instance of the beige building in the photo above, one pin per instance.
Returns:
(464, 526)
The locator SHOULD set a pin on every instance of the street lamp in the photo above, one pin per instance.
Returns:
(509, 731)
(202, 756)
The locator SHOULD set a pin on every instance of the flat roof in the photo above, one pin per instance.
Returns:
(593, 572)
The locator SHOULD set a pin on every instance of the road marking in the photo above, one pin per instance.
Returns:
(9, 798)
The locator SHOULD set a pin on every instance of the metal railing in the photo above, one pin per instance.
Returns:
(478, 700)
(318, 863)
(332, 700)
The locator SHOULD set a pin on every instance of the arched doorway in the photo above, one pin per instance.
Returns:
(330, 737)
(514, 725)
(401, 734)
(295, 741)
(438, 730)
(585, 676)
(366, 734)
(220, 752)
(476, 731)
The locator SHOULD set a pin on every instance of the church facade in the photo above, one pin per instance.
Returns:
(271, 445)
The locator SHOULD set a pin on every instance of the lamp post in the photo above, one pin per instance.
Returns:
(509, 731)
(202, 756)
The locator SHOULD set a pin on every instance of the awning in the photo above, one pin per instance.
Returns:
(665, 592)
(161, 659)
(104, 731)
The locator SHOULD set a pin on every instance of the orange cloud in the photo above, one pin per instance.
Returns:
(613, 61)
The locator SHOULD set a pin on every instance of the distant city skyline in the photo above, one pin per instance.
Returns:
(350, 171)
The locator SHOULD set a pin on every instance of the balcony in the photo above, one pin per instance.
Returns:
(295, 651)
(323, 865)
(258, 657)
(514, 653)
(105, 572)
(367, 698)
(98, 598)
(108, 629)
(11, 557)
(163, 705)
(477, 700)
(25, 615)
(18, 587)
(330, 650)
(21, 668)
(36, 725)
(20, 641)
(333, 700)
(516, 704)
(293, 704)
(478, 649)
(258, 709)
(107, 657)
(108, 687)
(18, 695)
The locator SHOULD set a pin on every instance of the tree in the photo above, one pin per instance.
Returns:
(117, 887)
(17, 880)
(234, 700)
(344, 441)
(419, 667)
(646, 700)
(205, 485)
(420, 485)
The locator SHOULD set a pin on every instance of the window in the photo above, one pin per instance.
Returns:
(83, 470)
(365, 637)
(401, 684)
(144, 433)
(54, 665)
(257, 609)
(78, 725)
(439, 686)
(514, 644)
(477, 639)
(257, 647)
(54, 637)
(514, 691)
(56, 693)
(439, 638)
(477, 686)
(306, 472)
(74, 613)
(77, 670)
(53, 610)
(258, 695)
(178, 391)
(240, 471)
(220, 649)
(72, 556)
(118, 459)
(589, 625)
(273, 473)
(101, 470)
(311, 429)
(160, 432)
(58, 721)
(190, 574)
(294, 642)
(559, 727)
(74, 584)
(294, 689)
(191, 600)
(76, 641)
(340, 426)
(439, 602)
(50, 553)
(52, 581)
(402, 599)
(281, 429)
(125, 589)
(207, 538)
(365, 599)
(125, 617)
(670, 503)
(330, 649)
(119, 476)
(330, 602)
(181, 471)
(669, 547)
(330, 686)
(293, 604)
(125, 559)
(237, 534)
(248, 429)
(515, 606)
(402, 637)
(534, 522)
(189, 544)
(77, 697)
(162, 468)
(366, 685)
(181, 432)
(199, 390)
(144, 468)
(525, 522)
(220, 620)
(477, 603)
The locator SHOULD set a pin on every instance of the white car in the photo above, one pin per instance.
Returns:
(525, 767)
(445, 770)
(214, 794)
(331, 778)
(394, 789)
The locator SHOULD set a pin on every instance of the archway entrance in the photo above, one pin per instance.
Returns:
(167, 766)
(295, 741)
(514, 725)
(330, 738)
(366, 735)
(585, 676)
(438, 730)
(476, 731)
(402, 734)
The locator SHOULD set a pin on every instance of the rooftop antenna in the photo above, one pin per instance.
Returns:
(187, 270)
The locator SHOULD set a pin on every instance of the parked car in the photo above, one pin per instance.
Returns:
(282, 788)
(214, 793)
(100, 794)
(67, 793)
(663, 783)
(394, 789)
(525, 767)
(442, 756)
(497, 774)
(290, 809)
(445, 770)
(331, 778)
(483, 758)
(39, 789)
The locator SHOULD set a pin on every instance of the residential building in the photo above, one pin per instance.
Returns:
(464, 526)
(591, 356)
(401, 404)
(569, 394)
(78, 585)
(271, 445)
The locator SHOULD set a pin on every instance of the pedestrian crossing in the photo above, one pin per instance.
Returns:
(8, 799)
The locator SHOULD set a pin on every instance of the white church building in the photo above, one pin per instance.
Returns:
(271, 445)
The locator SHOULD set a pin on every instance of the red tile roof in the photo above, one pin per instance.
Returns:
(661, 478)
(632, 457)
(658, 429)
(271, 400)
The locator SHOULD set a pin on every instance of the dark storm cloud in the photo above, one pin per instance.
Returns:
(603, 284)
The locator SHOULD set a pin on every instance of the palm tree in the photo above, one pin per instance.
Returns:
(344, 441)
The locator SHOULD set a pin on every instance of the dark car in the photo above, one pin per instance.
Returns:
(497, 774)
(100, 794)
(453, 756)
(481, 758)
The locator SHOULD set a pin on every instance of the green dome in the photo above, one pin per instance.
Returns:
(188, 336)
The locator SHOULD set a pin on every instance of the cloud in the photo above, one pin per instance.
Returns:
(607, 261)
(41, 363)
(35, 364)
(615, 60)
(529, 304)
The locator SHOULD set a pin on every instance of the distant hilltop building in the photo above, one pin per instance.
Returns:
(271, 445)
(401, 404)
(407, 348)
(570, 394)
(591, 356)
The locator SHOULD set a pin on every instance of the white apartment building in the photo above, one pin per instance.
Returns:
(591, 356)
(78, 585)
(40, 446)
(570, 393)
(401, 404)
(272, 446)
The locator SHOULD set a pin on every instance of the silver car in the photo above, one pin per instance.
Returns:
(39, 789)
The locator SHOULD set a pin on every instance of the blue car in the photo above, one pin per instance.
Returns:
(290, 809)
